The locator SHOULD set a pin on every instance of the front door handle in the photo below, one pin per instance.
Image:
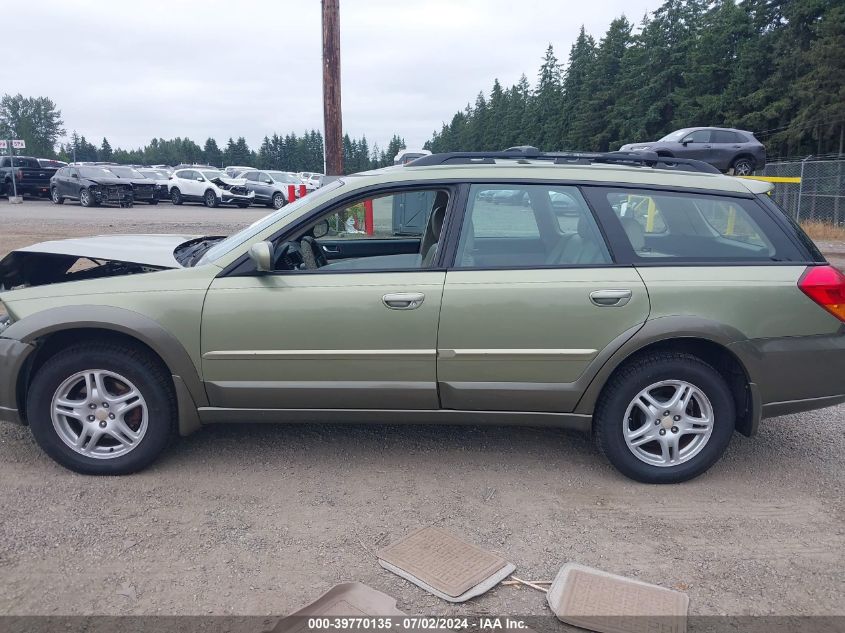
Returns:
(610, 298)
(403, 300)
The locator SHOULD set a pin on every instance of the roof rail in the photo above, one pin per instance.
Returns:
(526, 153)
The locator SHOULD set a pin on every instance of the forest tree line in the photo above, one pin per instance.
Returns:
(38, 121)
(774, 67)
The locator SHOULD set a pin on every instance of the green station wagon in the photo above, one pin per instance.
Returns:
(649, 301)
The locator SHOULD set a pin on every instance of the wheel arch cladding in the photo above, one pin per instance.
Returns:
(52, 328)
(707, 340)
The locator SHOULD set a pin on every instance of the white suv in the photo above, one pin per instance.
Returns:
(209, 186)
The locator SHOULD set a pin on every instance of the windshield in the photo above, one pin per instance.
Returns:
(125, 172)
(95, 172)
(153, 173)
(233, 241)
(212, 174)
(280, 176)
(675, 136)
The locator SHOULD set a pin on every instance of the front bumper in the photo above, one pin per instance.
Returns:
(117, 195)
(13, 355)
(227, 197)
(145, 193)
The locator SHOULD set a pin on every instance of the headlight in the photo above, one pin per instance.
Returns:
(642, 148)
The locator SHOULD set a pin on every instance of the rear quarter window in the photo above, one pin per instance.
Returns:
(675, 227)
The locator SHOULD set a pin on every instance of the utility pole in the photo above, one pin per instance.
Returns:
(332, 122)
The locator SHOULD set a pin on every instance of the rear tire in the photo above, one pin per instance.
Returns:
(55, 197)
(83, 436)
(621, 412)
(175, 196)
(743, 167)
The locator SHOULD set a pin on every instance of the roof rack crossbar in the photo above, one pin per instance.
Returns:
(525, 154)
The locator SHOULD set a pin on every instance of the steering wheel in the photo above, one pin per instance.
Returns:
(313, 253)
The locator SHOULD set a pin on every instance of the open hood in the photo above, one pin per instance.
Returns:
(105, 255)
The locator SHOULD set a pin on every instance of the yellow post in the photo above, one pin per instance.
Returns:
(731, 220)
(652, 211)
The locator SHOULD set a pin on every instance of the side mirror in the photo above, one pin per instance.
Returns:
(269, 181)
(200, 179)
(261, 253)
(321, 229)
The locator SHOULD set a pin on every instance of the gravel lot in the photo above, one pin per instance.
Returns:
(261, 519)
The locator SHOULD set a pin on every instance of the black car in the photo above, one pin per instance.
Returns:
(143, 189)
(91, 186)
(271, 187)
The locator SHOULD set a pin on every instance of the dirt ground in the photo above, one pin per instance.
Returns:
(255, 519)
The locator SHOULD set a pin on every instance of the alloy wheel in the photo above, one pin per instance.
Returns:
(743, 168)
(99, 414)
(668, 423)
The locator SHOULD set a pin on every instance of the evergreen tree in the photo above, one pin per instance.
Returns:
(105, 153)
(211, 154)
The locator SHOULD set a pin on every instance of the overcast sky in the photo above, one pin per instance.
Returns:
(133, 70)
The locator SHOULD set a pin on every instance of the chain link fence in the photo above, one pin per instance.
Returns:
(818, 197)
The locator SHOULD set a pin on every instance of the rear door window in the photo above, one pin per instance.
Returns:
(685, 227)
(725, 136)
(529, 226)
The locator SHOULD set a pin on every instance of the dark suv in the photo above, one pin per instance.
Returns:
(724, 148)
(90, 185)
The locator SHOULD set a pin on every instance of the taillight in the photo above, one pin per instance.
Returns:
(826, 286)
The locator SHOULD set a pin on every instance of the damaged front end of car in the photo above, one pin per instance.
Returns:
(233, 191)
(89, 258)
(24, 270)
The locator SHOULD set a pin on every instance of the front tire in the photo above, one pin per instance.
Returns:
(743, 167)
(55, 197)
(86, 198)
(102, 409)
(278, 200)
(210, 199)
(175, 196)
(665, 418)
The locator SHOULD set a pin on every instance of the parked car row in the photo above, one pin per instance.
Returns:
(107, 183)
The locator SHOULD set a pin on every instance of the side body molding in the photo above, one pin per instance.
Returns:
(134, 324)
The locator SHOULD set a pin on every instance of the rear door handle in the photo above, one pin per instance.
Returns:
(610, 298)
(403, 300)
